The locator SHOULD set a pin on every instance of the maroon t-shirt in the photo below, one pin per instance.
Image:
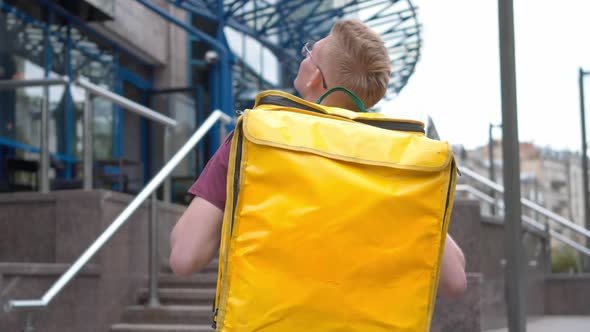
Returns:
(211, 184)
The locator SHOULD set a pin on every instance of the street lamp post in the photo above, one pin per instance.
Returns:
(515, 272)
(581, 74)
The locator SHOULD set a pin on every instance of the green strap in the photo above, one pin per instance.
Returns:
(357, 101)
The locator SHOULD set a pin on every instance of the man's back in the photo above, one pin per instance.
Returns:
(327, 64)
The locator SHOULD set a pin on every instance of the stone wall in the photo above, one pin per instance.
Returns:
(567, 294)
(493, 263)
(42, 235)
(152, 38)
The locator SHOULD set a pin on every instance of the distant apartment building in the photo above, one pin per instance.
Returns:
(552, 179)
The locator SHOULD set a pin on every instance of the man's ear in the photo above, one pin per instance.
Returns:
(315, 80)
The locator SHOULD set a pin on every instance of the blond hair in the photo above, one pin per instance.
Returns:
(358, 61)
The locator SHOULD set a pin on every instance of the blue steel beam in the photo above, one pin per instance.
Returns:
(28, 19)
(276, 49)
(198, 11)
(289, 9)
(265, 14)
(267, 21)
(225, 53)
(270, 8)
(33, 149)
(83, 26)
(230, 21)
(278, 22)
(230, 11)
(221, 79)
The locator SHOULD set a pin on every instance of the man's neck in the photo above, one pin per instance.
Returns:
(313, 96)
(339, 99)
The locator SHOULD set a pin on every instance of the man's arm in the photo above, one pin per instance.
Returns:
(453, 281)
(195, 237)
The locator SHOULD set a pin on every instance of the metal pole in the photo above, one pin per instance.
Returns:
(222, 132)
(535, 212)
(15, 84)
(166, 152)
(88, 151)
(44, 187)
(515, 286)
(492, 170)
(154, 301)
(547, 248)
(29, 327)
(584, 161)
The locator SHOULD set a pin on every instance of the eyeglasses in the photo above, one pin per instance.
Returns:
(306, 51)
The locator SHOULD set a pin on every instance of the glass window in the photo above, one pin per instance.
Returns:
(26, 110)
(101, 74)
(22, 56)
(73, 51)
(181, 107)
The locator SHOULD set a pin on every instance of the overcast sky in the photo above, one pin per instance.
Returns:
(457, 80)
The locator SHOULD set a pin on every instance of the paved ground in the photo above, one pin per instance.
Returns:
(556, 324)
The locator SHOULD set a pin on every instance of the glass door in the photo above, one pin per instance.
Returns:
(185, 106)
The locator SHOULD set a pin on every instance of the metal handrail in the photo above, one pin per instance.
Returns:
(15, 84)
(45, 83)
(530, 204)
(477, 193)
(123, 216)
(127, 105)
(530, 221)
(557, 235)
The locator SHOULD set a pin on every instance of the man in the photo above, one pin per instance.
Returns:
(352, 56)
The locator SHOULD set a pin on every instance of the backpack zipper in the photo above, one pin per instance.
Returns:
(454, 169)
(236, 184)
(390, 125)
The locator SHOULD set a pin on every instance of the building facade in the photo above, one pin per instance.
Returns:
(552, 179)
(111, 44)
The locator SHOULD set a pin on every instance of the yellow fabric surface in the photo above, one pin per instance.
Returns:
(337, 227)
(346, 140)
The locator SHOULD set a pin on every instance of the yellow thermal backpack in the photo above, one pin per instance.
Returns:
(335, 221)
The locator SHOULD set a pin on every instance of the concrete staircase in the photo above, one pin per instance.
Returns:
(41, 234)
(186, 305)
(44, 233)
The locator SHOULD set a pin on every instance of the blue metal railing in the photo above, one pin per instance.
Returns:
(33, 149)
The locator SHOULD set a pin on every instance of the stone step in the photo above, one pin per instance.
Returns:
(169, 314)
(160, 328)
(198, 280)
(180, 296)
